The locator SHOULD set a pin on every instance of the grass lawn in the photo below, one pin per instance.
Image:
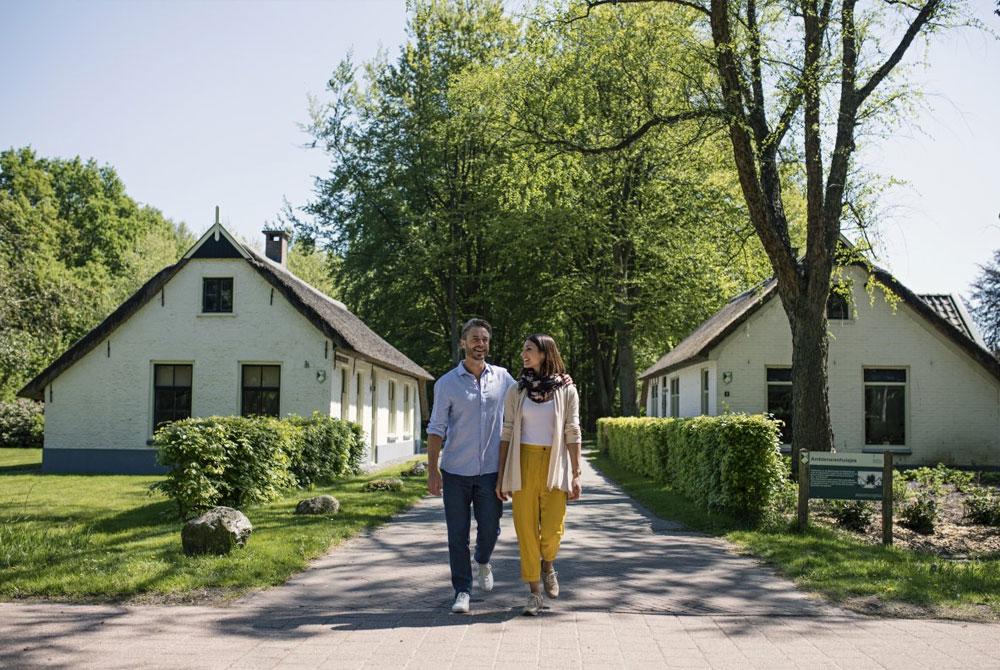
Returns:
(862, 577)
(106, 537)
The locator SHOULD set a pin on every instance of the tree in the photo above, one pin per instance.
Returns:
(73, 245)
(985, 303)
(813, 66)
(633, 263)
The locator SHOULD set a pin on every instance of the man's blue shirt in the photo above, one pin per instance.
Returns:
(468, 416)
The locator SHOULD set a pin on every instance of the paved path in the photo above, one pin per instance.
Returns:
(637, 593)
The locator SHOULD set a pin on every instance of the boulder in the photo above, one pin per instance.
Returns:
(392, 484)
(418, 469)
(318, 505)
(216, 531)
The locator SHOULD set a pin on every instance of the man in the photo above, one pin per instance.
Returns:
(467, 418)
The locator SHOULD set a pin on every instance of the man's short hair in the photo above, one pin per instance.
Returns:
(476, 323)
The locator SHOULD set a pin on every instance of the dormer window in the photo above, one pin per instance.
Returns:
(837, 307)
(217, 295)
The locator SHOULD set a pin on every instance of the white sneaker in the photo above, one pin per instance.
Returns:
(485, 576)
(461, 605)
(533, 605)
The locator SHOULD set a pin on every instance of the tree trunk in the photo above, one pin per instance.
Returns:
(811, 428)
(626, 367)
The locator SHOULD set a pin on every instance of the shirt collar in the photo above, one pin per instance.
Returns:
(463, 371)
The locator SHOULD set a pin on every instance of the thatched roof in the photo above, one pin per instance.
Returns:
(330, 316)
(945, 316)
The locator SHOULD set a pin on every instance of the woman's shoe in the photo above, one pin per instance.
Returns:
(551, 584)
(533, 605)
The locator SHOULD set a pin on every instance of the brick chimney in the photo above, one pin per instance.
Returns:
(276, 246)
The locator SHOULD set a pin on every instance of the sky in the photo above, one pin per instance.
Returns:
(198, 104)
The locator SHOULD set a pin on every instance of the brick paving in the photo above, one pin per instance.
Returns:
(638, 592)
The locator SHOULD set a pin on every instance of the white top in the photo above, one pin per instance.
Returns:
(537, 421)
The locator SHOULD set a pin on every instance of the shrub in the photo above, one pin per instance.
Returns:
(384, 485)
(729, 463)
(934, 479)
(856, 515)
(22, 424)
(982, 506)
(900, 489)
(920, 515)
(233, 461)
(330, 448)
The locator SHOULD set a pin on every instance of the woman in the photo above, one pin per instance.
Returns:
(540, 461)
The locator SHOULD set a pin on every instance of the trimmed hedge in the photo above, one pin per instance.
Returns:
(240, 461)
(729, 463)
(22, 424)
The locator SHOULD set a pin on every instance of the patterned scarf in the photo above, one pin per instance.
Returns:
(541, 389)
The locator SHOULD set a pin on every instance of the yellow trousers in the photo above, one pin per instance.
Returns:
(538, 513)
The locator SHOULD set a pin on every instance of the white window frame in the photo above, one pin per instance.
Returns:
(905, 385)
(705, 397)
(675, 397)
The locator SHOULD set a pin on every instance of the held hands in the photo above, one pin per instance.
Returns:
(434, 485)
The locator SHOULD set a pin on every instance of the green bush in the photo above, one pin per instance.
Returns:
(982, 506)
(856, 515)
(234, 461)
(900, 488)
(22, 424)
(729, 463)
(920, 515)
(330, 448)
(934, 479)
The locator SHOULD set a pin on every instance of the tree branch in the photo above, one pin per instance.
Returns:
(921, 19)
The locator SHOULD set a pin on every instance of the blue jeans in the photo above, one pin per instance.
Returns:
(461, 492)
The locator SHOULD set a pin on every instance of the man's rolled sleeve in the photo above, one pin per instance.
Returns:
(438, 424)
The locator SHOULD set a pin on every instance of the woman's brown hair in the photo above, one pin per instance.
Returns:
(553, 363)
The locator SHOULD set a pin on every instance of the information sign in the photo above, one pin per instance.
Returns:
(845, 476)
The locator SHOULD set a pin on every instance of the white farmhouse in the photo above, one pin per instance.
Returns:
(913, 377)
(224, 331)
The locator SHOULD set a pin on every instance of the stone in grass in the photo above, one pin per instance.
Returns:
(318, 505)
(392, 484)
(418, 469)
(217, 531)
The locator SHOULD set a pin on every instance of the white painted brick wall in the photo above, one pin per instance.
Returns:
(953, 403)
(104, 402)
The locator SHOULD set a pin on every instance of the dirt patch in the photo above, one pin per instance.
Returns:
(954, 537)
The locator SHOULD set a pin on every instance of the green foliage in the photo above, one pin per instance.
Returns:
(729, 463)
(900, 489)
(234, 461)
(982, 506)
(240, 461)
(920, 515)
(330, 448)
(392, 484)
(22, 424)
(73, 245)
(856, 515)
(934, 479)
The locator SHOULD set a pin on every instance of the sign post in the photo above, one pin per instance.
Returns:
(847, 476)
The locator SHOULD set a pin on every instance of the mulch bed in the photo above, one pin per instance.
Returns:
(954, 537)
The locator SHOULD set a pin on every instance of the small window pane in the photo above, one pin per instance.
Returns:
(182, 375)
(251, 375)
(164, 375)
(885, 418)
(837, 307)
(896, 376)
(270, 375)
(779, 375)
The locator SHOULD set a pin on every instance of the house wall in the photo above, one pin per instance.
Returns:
(690, 391)
(99, 412)
(952, 403)
(383, 444)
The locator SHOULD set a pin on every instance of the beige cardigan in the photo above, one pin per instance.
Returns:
(566, 431)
